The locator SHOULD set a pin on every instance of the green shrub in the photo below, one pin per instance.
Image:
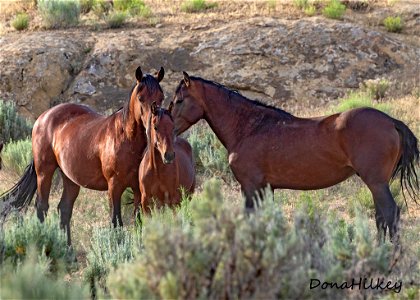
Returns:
(334, 9)
(210, 155)
(362, 199)
(21, 21)
(86, 5)
(361, 99)
(134, 7)
(224, 253)
(109, 247)
(17, 155)
(194, 6)
(59, 13)
(116, 19)
(47, 239)
(12, 126)
(301, 4)
(32, 280)
(393, 24)
(271, 4)
(376, 88)
(310, 10)
(102, 8)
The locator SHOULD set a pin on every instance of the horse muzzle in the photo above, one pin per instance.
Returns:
(168, 157)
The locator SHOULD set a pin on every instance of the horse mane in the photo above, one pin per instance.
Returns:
(230, 92)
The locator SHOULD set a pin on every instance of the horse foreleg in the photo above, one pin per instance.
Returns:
(65, 207)
(115, 191)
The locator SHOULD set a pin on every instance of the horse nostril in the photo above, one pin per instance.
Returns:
(169, 157)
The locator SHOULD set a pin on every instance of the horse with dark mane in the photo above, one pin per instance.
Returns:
(167, 164)
(91, 150)
(270, 147)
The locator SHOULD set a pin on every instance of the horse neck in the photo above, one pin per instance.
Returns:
(226, 117)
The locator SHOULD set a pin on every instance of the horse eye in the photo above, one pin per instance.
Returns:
(179, 101)
(156, 127)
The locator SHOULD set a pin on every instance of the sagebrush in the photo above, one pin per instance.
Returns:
(17, 155)
(20, 22)
(12, 125)
(59, 13)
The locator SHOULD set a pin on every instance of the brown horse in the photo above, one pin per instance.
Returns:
(91, 150)
(268, 146)
(167, 164)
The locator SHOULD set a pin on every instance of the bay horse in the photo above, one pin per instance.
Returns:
(270, 147)
(167, 164)
(91, 151)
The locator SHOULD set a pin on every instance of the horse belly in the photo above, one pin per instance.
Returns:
(307, 172)
(81, 164)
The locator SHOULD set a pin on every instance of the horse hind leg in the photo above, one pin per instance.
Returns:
(65, 207)
(45, 172)
(387, 211)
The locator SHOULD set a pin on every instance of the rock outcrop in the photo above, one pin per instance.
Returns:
(279, 61)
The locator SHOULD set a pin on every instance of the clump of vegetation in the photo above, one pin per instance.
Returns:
(17, 155)
(116, 19)
(133, 7)
(210, 155)
(12, 126)
(32, 280)
(301, 4)
(102, 8)
(20, 22)
(86, 6)
(222, 252)
(334, 9)
(59, 13)
(195, 6)
(393, 24)
(376, 88)
(109, 247)
(271, 4)
(361, 99)
(46, 239)
(310, 10)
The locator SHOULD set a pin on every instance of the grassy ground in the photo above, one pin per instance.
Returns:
(91, 208)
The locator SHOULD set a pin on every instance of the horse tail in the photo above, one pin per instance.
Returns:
(21, 194)
(406, 166)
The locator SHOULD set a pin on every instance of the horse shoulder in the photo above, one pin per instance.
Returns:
(183, 145)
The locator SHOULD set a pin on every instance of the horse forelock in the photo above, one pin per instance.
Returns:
(151, 83)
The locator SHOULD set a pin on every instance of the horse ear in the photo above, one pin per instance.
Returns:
(160, 74)
(139, 74)
(171, 105)
(186, 78)
(154, 108)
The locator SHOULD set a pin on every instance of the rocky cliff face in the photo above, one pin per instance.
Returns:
(309, 60)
